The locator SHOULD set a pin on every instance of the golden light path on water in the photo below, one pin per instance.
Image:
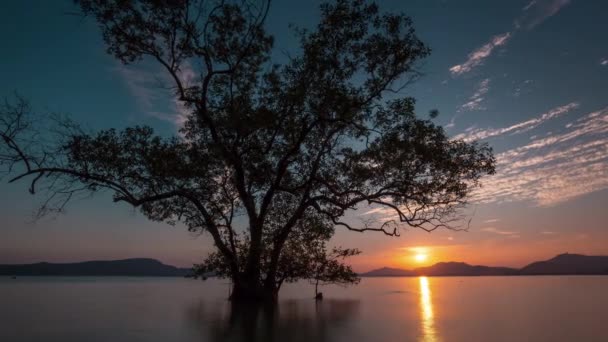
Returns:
(426, 311)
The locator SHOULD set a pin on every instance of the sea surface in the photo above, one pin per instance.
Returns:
(543, 308)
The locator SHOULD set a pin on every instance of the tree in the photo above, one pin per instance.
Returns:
(304, 257)
(272, 144)
(328, 268)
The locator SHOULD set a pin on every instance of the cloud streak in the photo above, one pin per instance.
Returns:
(152, 97)
(495, 230)
(478, 56)
(548, 170)
(554, 169)
(533, 14)
(475, 102)
(520, 127)
(538, 11)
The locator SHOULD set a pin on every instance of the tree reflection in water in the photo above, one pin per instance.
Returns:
(289, 320)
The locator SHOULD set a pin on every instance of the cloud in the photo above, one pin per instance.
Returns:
(491, 220)
(547, 169)
(523, 87)
(533, 14)
(478, 56)
(139, 84)
(520, 127)
(381, 210)
(475, 101)
(416, 249)
(527, 7)
(452, 122)
(150, 94)
(555, 168)
(604, 62)
(430, 248)
(499, 231)
(537, 11)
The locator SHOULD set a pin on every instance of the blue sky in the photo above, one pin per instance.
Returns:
(528, 77)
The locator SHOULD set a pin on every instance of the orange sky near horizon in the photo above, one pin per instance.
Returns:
(489, 253)
(475, 247)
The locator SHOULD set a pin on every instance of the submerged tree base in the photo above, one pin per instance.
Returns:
(253, 294)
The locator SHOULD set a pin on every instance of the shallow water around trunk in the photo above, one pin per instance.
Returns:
(549, 308)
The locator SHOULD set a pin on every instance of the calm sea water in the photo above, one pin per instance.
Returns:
(379, 309)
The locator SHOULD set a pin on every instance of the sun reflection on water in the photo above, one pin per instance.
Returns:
(426, 311)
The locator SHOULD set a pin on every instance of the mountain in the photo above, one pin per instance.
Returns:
(562, 264)
(442, 269)
(463, 269)
(127, 267)
(388, 272)
(569, 264)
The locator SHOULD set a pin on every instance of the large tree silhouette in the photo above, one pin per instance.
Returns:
(272, 144)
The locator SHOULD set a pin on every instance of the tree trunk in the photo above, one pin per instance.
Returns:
(252, 266)
(253, 290)
(318, 295)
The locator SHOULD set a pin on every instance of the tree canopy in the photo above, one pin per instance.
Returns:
(269, 149)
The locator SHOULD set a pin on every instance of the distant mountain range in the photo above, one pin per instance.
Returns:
(128, 267)
(563, 264)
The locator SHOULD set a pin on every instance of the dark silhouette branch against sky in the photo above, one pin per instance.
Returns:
(285, 146)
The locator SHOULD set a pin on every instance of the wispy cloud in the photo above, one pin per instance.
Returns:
(148, 87)
(491, 220)
(376, 210)
(604, 61)
(495, 230)
(475, 102)
(523, 87)
(520, 127)
(478, 56)
(537, 11)
(530, 4)
(415, 249)
(139, 84)
(553, 169)
(546, 169)
(452, 122)
(533, 14)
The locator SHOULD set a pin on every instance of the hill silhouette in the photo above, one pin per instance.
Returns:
(389, 272)
(128, 267)
(461, 268)
(569, 264)
(563, 264)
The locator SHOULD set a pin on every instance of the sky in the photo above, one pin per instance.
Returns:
(528, 77)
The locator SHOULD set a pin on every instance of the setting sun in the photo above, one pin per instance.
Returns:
(417, 255)
(420, 257)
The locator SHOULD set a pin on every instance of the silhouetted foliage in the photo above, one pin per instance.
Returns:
(328, 268)
(267, 148)
(304, 256)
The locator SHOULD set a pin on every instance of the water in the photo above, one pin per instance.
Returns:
(379, 309)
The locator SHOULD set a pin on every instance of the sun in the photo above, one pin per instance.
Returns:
(420, 257)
